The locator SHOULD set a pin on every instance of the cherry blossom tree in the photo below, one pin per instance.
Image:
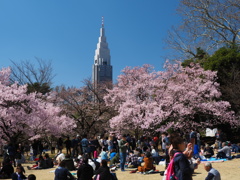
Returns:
(175, 98)
(24, 115)
(86, 106)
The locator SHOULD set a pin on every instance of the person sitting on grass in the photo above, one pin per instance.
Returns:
(41, 164)
(114, 160)
(7, 169)
(60, 157)
(213, 174)
(235, 148)
(18, 175)
(103, 173)
(104, 154)
(148, 163)
(49, 161)
(225, 152)
(61, 173)
(133, 160)
(155, 154)
(208, 151)
(85, 171)
(69, 164)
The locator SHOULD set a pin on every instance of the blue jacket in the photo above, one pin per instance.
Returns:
(62, 173)
(84, 142)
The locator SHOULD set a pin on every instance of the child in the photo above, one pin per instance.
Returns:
(95, 154)
(104, 154)
(148, 163)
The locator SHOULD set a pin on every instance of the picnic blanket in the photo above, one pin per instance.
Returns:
(213, 160)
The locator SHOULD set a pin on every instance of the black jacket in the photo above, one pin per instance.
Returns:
(7, 170)
(15, 176)
(85, 172)
(69, 164)
(104, 173)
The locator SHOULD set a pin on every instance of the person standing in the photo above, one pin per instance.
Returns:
(115, 142)
(60, 145)
(35, 148)
(95, 144)
(74, 143)
(182, 169)
(84, 144)
(53, 146)
(123, 146)
(11, 153)
(193, 137)
(198, 140)
(68, 145)
(165, 141)
(220, 138)
(110, 143)
(213, 174)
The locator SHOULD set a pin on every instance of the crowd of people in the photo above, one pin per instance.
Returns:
(101, 156)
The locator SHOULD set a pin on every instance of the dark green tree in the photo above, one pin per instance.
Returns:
(226, 61)
(37, 87)
(199, 57)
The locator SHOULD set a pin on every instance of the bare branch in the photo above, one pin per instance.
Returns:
(210, 23)
(27, 72)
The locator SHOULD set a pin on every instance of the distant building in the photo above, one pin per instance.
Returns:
(102, 69)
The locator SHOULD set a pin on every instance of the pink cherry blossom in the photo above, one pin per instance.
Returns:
(175, 98)
(23, 115)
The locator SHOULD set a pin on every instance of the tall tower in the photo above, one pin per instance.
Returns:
(102, 69)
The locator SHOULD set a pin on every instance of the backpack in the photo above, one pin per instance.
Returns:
(170, 170)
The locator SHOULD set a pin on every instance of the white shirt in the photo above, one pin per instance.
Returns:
(91, 163)
(60, 157)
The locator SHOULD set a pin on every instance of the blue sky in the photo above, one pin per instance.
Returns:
(66, 32)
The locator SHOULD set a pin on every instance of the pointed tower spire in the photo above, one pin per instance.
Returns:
(102, 69)
(102, 22)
